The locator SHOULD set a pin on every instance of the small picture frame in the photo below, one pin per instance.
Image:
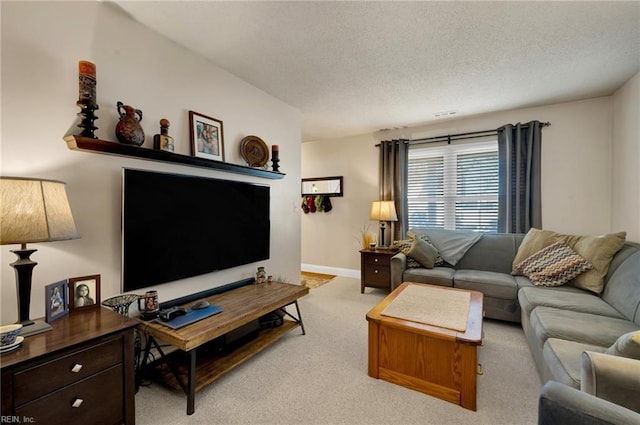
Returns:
(84, 292)
(56, 300)
(207, 138)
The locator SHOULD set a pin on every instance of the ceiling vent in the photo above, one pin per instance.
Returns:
(444, 114)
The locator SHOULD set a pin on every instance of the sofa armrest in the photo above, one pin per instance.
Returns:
(562, 404)
(612, 378)
(398, 266)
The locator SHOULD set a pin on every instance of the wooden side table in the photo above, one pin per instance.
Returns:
(375, 268)
(80, 372)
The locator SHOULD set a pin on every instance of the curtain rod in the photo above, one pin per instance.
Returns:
(462, 136)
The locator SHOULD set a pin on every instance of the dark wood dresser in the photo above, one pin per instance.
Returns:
(375, 268)
(80, 372)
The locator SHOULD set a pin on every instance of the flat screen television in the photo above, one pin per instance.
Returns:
(176, 226)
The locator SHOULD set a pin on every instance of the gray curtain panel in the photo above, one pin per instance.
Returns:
(393, 183)
(519, 196)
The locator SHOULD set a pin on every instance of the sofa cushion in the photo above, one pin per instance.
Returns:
(493, 252)
(423, 252)
(442, 276)
(628, 345)
(564, 359)
(565, 298)
(549, 322)
(491, 284)
(553, 265)
(524, 282)
(623, 288)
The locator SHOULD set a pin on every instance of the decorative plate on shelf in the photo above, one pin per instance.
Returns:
(255, 151)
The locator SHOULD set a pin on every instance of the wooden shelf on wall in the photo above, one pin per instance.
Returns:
(87, 144)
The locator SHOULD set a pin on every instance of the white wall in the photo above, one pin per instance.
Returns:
(331, 239)
(576, 175)
(41, 46)
(625, 189)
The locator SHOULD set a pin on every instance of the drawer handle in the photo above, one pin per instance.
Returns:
(77, 402)
(376, 271)
(375, 260)
(76, 368)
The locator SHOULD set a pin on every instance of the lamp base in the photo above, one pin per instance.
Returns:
(36, 327)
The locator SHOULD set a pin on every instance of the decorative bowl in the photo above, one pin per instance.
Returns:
(120, 303)
(9, 333)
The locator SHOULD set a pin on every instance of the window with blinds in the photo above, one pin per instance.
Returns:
(454, 186)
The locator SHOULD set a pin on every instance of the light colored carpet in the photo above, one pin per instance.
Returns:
(314, 280)
(321, 377)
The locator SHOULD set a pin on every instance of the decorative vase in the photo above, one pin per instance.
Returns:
(128, 129)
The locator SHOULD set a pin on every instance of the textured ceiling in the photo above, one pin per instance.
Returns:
(356, 67)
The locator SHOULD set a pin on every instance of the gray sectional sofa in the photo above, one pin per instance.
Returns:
(560, 323)
(485, 267)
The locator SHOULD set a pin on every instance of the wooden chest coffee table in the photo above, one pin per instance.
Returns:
(432, 359)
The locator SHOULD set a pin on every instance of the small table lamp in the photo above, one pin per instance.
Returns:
(33, 210)
(383, 211)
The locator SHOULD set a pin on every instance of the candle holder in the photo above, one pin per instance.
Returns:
(87, 98)
(88, 117)
(274, 162)
(275, 157)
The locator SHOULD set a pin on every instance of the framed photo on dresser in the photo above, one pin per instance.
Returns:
(56, 298)
(84, 292)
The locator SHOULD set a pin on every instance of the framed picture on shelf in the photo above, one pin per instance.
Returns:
(84, 292)
(56, 300)
(206, 134)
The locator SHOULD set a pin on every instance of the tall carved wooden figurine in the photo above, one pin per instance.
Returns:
(163, 141)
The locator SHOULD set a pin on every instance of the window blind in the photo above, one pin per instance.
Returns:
(454, 186)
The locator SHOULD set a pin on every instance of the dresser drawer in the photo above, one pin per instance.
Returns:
(98, 399)
(376, 276)
(377, 260)
(64, 370)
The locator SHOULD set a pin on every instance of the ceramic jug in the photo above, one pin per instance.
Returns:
(128, 129)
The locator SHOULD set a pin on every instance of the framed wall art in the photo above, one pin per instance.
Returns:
(206, 134)
(84, 292)
(56, 300)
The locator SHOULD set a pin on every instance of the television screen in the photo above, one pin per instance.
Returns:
(177, 226)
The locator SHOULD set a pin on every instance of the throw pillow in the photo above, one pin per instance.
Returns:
(598, 250)
(533, 241)
(554, 265)
(628, 345)
(423, 252)
(404, 246)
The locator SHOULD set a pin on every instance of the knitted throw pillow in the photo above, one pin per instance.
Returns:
(554, 265)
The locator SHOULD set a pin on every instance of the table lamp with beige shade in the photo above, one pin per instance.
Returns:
(33, 211)
(383, 211)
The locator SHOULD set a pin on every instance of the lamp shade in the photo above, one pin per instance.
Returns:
(34, 210)
(383, 211)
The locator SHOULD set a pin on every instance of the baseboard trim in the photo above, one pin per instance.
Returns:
(331, 270)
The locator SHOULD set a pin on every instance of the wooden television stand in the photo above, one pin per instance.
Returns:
(241, 305)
